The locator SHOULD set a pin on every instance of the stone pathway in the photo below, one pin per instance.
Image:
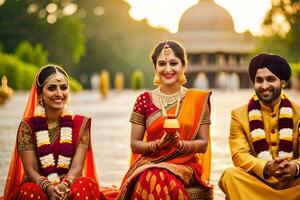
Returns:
(111, 131)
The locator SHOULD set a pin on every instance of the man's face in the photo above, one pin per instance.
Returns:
(267, 86)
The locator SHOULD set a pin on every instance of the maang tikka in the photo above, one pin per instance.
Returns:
(166, 50)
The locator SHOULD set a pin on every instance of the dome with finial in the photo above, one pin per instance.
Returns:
(207, 27)
(206, 15)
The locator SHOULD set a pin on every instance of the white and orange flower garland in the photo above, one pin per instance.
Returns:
(285, 128)
(53, 166)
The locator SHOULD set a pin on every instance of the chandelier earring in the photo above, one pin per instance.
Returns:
(41, 101)
(40, 109)
(182, 79)
(156, 80)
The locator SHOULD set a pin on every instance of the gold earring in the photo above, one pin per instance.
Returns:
(182, 79)
(41, 102)
(156, 80)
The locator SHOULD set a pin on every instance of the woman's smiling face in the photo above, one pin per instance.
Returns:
(169, 68)
(55, 93)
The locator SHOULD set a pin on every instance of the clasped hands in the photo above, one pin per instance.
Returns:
(169, 140)
(58, 192)
(281, 168)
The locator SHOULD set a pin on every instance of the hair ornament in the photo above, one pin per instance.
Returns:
(166, 50)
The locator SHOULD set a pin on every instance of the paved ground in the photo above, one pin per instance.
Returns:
(111, 131)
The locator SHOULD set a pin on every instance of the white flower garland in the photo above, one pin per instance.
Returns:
(258, 134)
(42, 138)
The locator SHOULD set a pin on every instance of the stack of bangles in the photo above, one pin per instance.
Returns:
(68, 182)
(154, 146)
(297, 173)
(43, 182)
(187, 147)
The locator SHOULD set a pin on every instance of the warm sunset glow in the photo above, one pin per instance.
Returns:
(247, 14)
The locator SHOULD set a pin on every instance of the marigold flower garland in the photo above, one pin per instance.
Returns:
(285, 128)
(53, 164)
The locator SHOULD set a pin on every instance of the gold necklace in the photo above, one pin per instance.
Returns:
(166, 100)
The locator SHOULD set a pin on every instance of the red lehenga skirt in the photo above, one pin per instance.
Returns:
(83, 188)
(157, 183)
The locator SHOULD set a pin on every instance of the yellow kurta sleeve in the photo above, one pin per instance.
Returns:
(240, 149)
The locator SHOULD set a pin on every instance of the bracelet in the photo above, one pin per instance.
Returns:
(187, 147)
(68, 181)
(154, 146)
(43, 182)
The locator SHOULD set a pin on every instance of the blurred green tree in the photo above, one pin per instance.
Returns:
(35, 55)
(34, 22)
(90, 34)
(282, 29)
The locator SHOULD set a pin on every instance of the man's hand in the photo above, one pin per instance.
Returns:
(287, 170)
(281, 168)
(273, 165)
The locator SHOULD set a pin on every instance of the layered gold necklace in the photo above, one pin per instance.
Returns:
(166, 100)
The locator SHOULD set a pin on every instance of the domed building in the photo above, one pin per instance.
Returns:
(206, 30)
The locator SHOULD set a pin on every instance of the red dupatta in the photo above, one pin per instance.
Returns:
(16, 173)
(190, 117)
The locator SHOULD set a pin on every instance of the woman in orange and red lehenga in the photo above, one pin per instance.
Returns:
(53, 155)
(165, 159)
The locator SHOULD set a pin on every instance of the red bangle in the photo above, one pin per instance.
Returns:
(66, 182)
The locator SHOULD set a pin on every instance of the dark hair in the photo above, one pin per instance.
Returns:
(178, 49)
(45, 72)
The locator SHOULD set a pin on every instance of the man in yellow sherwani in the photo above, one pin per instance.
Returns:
(264, 138)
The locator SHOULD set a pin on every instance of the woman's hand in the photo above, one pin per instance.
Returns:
(64, 190)
(169, 140)
(53, 193)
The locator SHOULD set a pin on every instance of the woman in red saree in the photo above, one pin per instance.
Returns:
(53, 156)
(164, 164)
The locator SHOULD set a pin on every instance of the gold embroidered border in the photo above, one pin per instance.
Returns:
(137, 118)
(25, 137)
(26, 148)
(83, 127)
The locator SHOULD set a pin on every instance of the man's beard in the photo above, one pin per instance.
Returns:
(273, 96)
